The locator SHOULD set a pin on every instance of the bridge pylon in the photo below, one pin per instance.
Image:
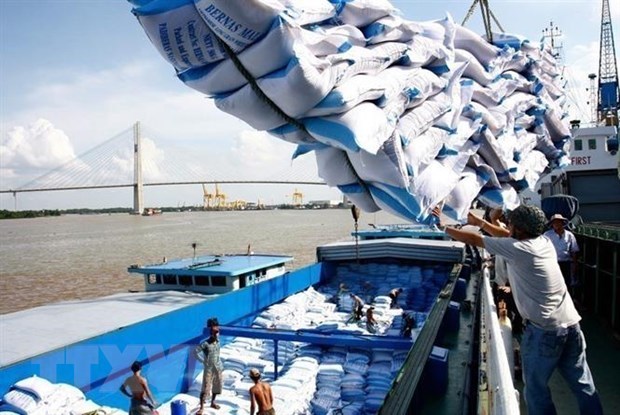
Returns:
(138, 194)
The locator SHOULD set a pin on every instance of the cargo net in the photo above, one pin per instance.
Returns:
(400, 115)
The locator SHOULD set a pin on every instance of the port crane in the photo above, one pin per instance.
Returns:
(219, 198)
(297, 198)
(207, 198)
(608, 92)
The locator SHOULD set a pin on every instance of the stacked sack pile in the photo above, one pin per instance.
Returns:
(401, 115)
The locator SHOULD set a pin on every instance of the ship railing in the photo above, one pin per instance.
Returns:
(496, 388)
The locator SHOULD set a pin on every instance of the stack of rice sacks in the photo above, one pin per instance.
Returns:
(400, 115)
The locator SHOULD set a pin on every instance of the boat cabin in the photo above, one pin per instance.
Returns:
(211, 274)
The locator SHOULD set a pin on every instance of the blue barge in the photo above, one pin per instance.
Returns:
(91, 344)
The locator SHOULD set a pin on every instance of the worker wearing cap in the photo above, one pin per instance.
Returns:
(552, 337)
(566, 247)
(260, 395)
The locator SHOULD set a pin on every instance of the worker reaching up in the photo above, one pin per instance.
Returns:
(552, 337)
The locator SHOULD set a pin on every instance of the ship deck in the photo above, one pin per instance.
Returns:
(73, 321)
(603, 354)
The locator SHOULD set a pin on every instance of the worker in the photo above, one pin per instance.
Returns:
(208, 352)
(136, 387)
(357, 310)
(261, 395)
(394, 296)
(552, 337)
(371, 323)
(566, 247)
(408, 324)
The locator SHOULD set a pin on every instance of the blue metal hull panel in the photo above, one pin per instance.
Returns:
(99, 365)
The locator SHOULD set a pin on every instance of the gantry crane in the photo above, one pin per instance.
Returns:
(298, 198)
(207, 198)
(608, 92)
(219, 198)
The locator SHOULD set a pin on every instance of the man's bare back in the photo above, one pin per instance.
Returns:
(137, 386)
(261, 393)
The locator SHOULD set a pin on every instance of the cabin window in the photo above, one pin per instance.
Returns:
(202, 281)
(218, 281)
(154, 279)
(578, 145)
(185, 280)
(170, 279)
(592, 144)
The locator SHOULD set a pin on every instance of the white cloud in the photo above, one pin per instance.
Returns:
(39, 145)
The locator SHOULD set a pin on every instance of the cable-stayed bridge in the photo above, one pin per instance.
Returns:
(130, 159)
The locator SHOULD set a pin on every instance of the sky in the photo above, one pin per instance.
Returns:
(75, 73)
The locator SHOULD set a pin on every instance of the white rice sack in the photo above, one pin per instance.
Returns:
(355, 90)
(442, 30)
(387, 166)
(517, 62)
(364, 127)
(306, 12)
(465, 128)
(525, 121)
(494, 121)
(494, 93)
(396, 200)
(326, 40)
(459, 201)
(420, 151)
(21, 400)
(428, 53)
(474, 69)
(515, 104)
(335, 169)
(179, 34)
(520, 82)
(272, 52)
(419, 119)
(507, 40)
(557, 126)
(65, 395)
(505, 197)
(240, 23)
(367, 60)
(391, 28)
(459, 95)
(302, 84)
(295, 135)
(484, 170)
(534, 164)
(493, 154)
(361, 12)
(438, 179)
(526, 142)
(407, 87)
(547, 147)
(40, 387)
(475, 44)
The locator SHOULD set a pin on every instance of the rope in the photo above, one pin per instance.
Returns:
(254, 85)
(261, 95)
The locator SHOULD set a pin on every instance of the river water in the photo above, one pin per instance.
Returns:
(46, 260)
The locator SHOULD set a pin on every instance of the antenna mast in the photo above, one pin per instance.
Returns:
(592, 101)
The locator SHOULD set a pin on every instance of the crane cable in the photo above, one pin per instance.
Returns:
(487, 15)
